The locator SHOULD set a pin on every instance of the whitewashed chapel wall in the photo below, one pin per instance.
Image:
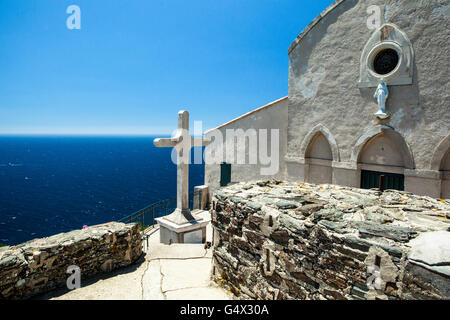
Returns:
(324, 91)
(271, 116)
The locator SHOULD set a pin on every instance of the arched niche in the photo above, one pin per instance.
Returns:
(319, 148)
(441, 162)
(445, 173)
(445, 163)
(309, 138)
(439, 154)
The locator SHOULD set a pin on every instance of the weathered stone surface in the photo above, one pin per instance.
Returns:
(255, 222)
(222, 218)
(332, 214)
(235, 231)
(355, 243)
(241, 244)
(431, 248)
(306, 279)
(283, 204)
(255, 239)
(419, 282)
(311, 206)
(296, 290)
(335, 294)
(334, 226)
(391, 232)
(332, 252)
(40, 265)
(253, 205)
(291, 224)
(280, 236)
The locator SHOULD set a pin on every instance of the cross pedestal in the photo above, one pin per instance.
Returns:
(182, 226)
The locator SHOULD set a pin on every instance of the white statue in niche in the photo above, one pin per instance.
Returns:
(381, 94)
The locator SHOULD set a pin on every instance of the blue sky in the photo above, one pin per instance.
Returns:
(135, 63)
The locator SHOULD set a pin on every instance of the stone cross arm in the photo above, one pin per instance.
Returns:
(167, 142)
(182, 137)
(172, 142)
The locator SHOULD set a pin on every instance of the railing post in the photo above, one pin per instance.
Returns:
(153, 216)
(200, 201)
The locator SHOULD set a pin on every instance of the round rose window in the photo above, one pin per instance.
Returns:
(385, 61)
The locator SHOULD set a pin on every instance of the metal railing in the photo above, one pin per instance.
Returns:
(145, 217)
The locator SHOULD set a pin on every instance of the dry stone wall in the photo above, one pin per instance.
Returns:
(275, 240)
(40, 265)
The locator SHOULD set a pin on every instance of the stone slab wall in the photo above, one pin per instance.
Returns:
(274, 240)
(40, 265)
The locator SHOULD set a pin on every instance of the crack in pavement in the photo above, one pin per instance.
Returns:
(142, 279)
(195, 287)
(163, 275)
(162, 278)
(180, 258)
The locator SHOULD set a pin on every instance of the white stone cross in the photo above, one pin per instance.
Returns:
(182, 142)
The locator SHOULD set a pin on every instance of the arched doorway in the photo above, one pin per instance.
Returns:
(380, 157)
(382, 151)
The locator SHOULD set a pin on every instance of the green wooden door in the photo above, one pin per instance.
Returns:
(371, 179)
(225, 174)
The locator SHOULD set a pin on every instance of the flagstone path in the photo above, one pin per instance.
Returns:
(166, 272)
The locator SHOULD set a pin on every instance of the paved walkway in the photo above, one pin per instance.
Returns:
(167, 272)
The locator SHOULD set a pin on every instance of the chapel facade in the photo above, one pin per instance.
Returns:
(331, 126)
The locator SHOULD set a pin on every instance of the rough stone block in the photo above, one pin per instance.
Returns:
(40, 265)
(330, 251)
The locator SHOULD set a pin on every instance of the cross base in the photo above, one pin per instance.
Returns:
(191, 229)
(182, 216)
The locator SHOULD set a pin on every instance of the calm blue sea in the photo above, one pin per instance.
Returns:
(50, 185)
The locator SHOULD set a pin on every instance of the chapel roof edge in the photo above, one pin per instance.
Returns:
(270, 104)
(313, 23)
